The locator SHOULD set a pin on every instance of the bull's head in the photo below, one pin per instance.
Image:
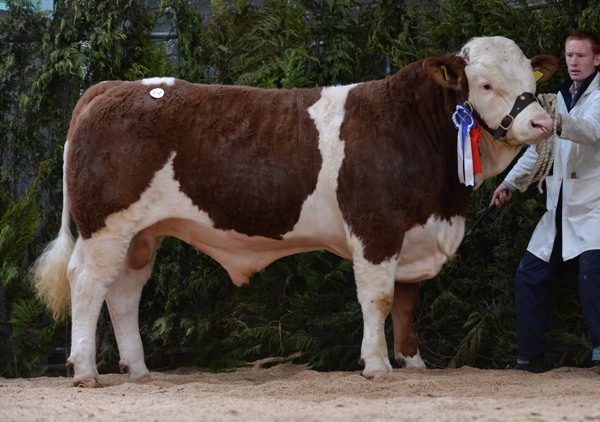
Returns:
(499, 83)
(495, 79)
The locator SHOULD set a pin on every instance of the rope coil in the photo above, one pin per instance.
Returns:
(544, 149)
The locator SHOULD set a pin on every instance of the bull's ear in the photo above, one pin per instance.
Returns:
(544, 66)
(448, 71)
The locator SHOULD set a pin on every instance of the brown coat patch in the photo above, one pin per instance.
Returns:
(255, 160)
(400, 165)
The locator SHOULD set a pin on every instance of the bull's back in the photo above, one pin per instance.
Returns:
(248, 157)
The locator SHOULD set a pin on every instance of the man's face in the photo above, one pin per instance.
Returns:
(581, 61)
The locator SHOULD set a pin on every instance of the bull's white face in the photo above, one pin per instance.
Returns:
(498, 72)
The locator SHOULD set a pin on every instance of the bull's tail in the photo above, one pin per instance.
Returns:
(49, 272)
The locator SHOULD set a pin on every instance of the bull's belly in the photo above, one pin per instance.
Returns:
(426, 248)
(243, 255)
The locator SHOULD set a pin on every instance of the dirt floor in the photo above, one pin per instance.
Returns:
(289, 392)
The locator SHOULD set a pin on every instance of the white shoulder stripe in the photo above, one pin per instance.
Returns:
(157, 81)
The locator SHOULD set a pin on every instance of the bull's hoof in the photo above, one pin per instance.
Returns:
(376, 368)
(374, 376)
(88, 383)
(136, 374)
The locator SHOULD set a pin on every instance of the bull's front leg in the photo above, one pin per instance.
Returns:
(375, 291)
(406, 345)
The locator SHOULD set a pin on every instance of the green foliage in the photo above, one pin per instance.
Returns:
(303, 306)
(215, 51)
(26, 335)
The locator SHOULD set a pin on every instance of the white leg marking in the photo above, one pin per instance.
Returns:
(123, 299)
(410, 361)
(94, 266)
(88, 289)
(375, 291)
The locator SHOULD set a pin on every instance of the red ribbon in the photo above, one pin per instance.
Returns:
(476, 134)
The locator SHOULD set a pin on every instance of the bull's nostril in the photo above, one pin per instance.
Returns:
(542, 124)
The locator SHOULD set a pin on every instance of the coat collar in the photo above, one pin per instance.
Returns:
(564, 89)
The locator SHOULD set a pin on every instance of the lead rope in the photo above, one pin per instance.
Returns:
(545, 150)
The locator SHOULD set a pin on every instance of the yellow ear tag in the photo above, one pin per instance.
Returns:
(445, 72)
(537, 74)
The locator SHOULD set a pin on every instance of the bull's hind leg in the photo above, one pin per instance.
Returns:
(406, 345)
(90, 272)
(123, 299)
(375, 290)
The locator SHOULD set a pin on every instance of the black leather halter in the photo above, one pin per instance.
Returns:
(521, 102)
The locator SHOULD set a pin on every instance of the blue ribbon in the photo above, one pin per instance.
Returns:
(464, 122)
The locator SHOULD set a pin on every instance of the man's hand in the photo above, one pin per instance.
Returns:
(501, 196)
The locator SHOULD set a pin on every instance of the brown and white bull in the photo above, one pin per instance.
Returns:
(246, 175)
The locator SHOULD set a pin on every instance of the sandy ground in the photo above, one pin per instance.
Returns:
(289, 392)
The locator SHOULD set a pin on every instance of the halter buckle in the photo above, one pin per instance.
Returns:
(509, 125)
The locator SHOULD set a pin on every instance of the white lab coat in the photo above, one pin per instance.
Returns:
(577, 170)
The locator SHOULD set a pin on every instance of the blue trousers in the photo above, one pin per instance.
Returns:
(532, 291)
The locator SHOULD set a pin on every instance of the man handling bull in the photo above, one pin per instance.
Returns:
(570, 228)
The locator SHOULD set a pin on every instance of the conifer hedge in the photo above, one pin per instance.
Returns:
(303, 306)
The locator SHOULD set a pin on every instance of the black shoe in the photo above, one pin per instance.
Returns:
(536, 366)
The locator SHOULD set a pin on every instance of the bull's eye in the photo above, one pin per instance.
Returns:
(487, 87)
